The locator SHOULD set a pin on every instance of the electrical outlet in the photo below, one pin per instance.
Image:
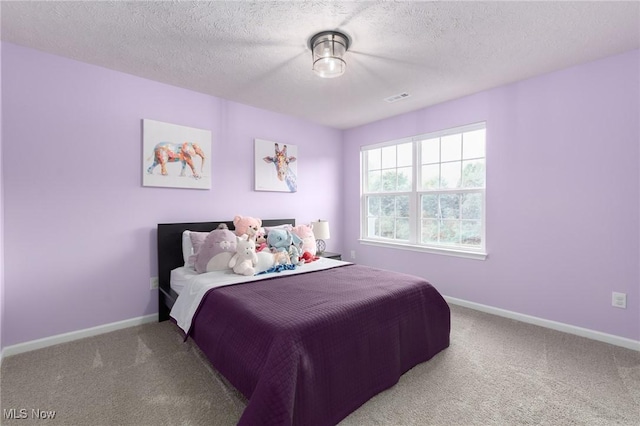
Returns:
(619, 300)
(353, 254)
(153, 283)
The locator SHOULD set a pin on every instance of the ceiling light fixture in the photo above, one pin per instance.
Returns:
(327, 50)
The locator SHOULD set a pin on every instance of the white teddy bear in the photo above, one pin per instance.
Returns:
(244, 260)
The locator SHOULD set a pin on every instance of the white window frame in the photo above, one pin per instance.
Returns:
(415, 194)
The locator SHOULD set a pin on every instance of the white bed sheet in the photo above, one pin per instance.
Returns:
(194, 285)
(181, 277)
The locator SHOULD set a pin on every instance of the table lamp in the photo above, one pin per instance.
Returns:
(321, 233)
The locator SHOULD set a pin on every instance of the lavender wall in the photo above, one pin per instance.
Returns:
(79, 237)
(79, 227)
(1, 219)
(563, 196)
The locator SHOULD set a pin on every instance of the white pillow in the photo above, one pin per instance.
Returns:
(187, 247)
(286, 227)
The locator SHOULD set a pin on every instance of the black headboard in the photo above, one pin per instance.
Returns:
(170, 255)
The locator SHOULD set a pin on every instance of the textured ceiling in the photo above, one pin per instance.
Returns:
(256, 52)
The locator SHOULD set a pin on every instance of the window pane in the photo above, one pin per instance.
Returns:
(473, 174)
(429, 232)
(374, 159)
(388, 206)
(402, 206)
(404, 179)
(451, 175)
(473, 144)
(430, 151)
(374, 181)
(373, 204)
(402, 229)
(430, 206)
(389, 157)
(450, 232)
(373, 227)
(431, 176)
(471, 232)
(471, 206)
(387, 227)
(405, 154)
(389, 180)
(450, 206)
(451, 147)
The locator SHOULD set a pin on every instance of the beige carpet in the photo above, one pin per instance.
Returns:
(496, 372)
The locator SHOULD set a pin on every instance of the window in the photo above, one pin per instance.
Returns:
(427, 192)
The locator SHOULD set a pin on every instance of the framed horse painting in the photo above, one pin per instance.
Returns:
(175, 156)
(275, 166)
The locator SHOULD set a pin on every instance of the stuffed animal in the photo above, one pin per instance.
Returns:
(305, 232)
(261, 240)
(266, 261)
(308, 257)
(280, 240)
(216, 250)
(281, 258)
(244, 260)
(247, 225)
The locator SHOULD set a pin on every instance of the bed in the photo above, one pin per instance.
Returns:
(310, 347)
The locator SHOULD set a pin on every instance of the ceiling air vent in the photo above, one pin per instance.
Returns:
(396, 98)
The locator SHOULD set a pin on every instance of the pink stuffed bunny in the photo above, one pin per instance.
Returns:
(305, 233)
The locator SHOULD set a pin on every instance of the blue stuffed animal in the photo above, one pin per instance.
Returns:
(279, 240)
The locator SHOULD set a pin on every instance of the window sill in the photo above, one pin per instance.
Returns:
(442, 251)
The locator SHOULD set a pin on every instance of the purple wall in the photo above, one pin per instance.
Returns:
(1, 220)
(79, 237)
(80, 229)
(563, 196)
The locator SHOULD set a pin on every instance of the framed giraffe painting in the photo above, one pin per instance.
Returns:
(276, 166)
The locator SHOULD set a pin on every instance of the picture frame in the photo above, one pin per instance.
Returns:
(175, 156)
(276, 166)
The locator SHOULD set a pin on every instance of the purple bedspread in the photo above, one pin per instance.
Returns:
(309, 349)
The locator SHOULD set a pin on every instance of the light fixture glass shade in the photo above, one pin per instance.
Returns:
(327, 49)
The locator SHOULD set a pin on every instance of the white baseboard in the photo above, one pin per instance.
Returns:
(106, 328)
(75, 335)
(571, 329)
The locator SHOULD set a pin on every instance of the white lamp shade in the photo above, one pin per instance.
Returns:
(321, 230)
